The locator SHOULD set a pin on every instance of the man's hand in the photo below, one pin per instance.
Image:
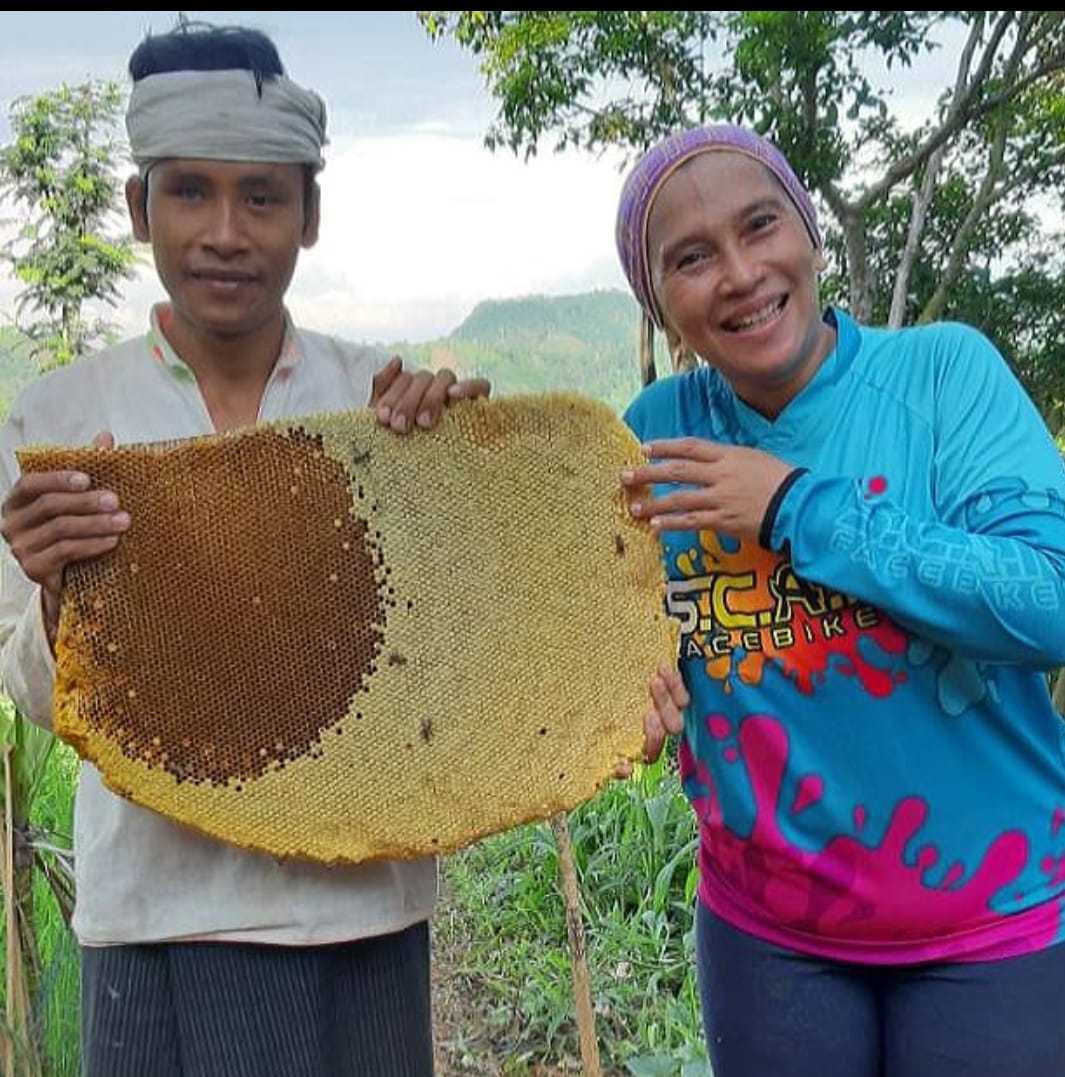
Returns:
(402, 399)
(729, 487)
(52, 519)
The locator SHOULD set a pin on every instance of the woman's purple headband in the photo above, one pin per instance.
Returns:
(659, 163)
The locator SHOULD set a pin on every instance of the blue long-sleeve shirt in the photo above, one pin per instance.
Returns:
(871, 747)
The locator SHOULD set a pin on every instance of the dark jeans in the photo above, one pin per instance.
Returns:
(771, 1012)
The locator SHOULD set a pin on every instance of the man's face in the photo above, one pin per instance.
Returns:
(225, 236)
(735, 273)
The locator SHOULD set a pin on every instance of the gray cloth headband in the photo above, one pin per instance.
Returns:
(225, 116)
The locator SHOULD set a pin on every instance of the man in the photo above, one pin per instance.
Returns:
(199, 958)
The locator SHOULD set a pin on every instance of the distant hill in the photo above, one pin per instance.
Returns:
(588, 343)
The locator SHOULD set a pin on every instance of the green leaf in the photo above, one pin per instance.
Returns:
(60, 171)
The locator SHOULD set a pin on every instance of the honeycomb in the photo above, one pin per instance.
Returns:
(321, 640)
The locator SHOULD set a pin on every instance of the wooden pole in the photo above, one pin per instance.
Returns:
(582, 984)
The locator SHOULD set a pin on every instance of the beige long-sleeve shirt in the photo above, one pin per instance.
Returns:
(140, 876)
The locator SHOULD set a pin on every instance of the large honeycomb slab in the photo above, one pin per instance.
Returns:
(322, 640)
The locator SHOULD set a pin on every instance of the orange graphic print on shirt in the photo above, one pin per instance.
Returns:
(742, 608)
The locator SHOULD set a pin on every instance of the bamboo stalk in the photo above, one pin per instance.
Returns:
(582, 984)
(12, 927)
(17, 1033)
(13, 997)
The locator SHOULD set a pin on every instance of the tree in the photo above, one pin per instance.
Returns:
(60, 168)
(957, 189)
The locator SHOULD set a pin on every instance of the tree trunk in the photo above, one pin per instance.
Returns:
(897, 315)
(860, 283)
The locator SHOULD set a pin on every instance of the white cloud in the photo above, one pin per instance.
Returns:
(417, 229)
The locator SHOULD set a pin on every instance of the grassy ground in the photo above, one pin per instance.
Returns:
(503, 978)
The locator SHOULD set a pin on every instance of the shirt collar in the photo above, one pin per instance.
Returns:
(162, 351)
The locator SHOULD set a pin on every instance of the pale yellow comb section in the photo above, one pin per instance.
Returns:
(322, 640)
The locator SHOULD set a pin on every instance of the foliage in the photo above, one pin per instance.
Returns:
(635, 850)
(36, 797)
(1026, 312)
(922, 217)
(596, 78)
(56, 1014)
(60, 169)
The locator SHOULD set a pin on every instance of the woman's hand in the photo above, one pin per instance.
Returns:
(728, 490)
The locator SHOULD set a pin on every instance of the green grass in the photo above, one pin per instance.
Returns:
(55, 1018)
(635, 850)
(53, 811)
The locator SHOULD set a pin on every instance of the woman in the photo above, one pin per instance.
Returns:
(864, 532)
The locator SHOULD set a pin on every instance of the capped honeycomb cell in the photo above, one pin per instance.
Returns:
(319, 639)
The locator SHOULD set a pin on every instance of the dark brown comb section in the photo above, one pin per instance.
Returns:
(291, 553)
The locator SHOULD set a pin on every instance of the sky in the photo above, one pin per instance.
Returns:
(420, 221)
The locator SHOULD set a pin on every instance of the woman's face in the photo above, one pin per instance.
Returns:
(735, 273)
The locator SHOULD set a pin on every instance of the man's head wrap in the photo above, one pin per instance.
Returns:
(231, 115)
(659, 163)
